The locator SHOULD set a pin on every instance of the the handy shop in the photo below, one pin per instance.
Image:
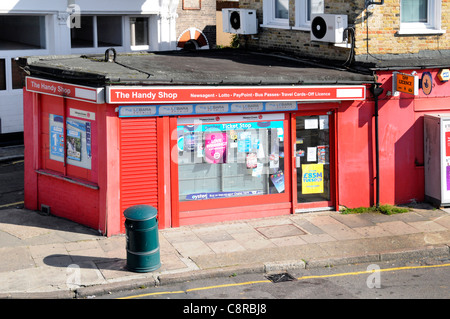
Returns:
(213, 136)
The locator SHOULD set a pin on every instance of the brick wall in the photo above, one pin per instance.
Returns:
(377, 35)
(382, 26)
(203, 19)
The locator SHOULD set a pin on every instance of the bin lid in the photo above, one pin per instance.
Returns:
(140, 212)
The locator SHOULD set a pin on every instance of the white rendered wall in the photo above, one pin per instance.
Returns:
(162, 29)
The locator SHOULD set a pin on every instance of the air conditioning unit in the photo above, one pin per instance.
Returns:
(240, 21)
(328, 27)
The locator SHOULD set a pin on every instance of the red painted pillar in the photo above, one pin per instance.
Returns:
(31, 144)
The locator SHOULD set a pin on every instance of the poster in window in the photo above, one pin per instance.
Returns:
(322, 154)
(79, 140)
(278, 181)
(74, 145)
(252, 160)
(323, 122)
(244, 142)
(311, 124)
(56, 137)
(311, 154)
(215, 147)
(312, 178)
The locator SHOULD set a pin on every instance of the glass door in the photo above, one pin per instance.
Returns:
(313, 170)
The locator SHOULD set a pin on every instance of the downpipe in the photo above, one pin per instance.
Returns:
(377, 91)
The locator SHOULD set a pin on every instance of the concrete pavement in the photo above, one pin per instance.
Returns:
(43, 256)
(49, 257)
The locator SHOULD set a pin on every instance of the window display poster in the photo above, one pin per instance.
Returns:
(311, 124)
(79, 142)
(312, 178)
(244, 142)
(278, 181)
(74, 145)
(311, 154)
(252, 160)
(323, 122)
(322, 154)
(215, 147)
(56, 138)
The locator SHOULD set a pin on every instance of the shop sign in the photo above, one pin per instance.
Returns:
(405, 83)
(70, 91)
(204, 108)
(444, 75)
(427, 83)
(216, 195)
(217, 94)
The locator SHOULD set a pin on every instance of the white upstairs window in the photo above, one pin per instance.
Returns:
(420, 17)
(276, 14)
(303, 11)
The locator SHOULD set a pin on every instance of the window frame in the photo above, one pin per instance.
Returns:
(269, 19)
(8, 55)
(432, 26)
(95, 39)
(301, 15)
(62, 166)
(140, 47)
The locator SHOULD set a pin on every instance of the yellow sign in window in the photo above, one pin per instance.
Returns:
(312, 178)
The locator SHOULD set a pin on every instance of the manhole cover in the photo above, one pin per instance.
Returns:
(280, 277)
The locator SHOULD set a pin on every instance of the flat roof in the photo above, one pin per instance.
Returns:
(201, 67)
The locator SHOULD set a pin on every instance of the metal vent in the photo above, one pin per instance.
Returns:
(45, 209)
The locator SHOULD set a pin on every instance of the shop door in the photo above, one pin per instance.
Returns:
(313, 162)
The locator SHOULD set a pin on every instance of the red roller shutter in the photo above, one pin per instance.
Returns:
(138, 164)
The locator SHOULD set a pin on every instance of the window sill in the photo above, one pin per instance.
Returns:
(276, 26)
(140, 47)
(420, 32)
(308, 29)
(68, 179)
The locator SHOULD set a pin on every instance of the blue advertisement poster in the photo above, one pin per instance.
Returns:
(56, 141)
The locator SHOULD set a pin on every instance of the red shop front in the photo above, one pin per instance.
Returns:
(197, 154)
(231, 153)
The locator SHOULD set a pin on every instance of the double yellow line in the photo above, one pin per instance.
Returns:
(356, 273)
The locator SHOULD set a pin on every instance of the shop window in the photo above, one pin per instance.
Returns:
(109, 30)
(230, 159)
(2, 74)
(83, 37)
(18, 75)
(420, 16)
(303, 11)
(139, 35)
(23, 32)
(97, 31)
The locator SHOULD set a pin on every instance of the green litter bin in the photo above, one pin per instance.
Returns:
(141, 227)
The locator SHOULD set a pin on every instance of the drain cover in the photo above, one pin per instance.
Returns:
(280, 277)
